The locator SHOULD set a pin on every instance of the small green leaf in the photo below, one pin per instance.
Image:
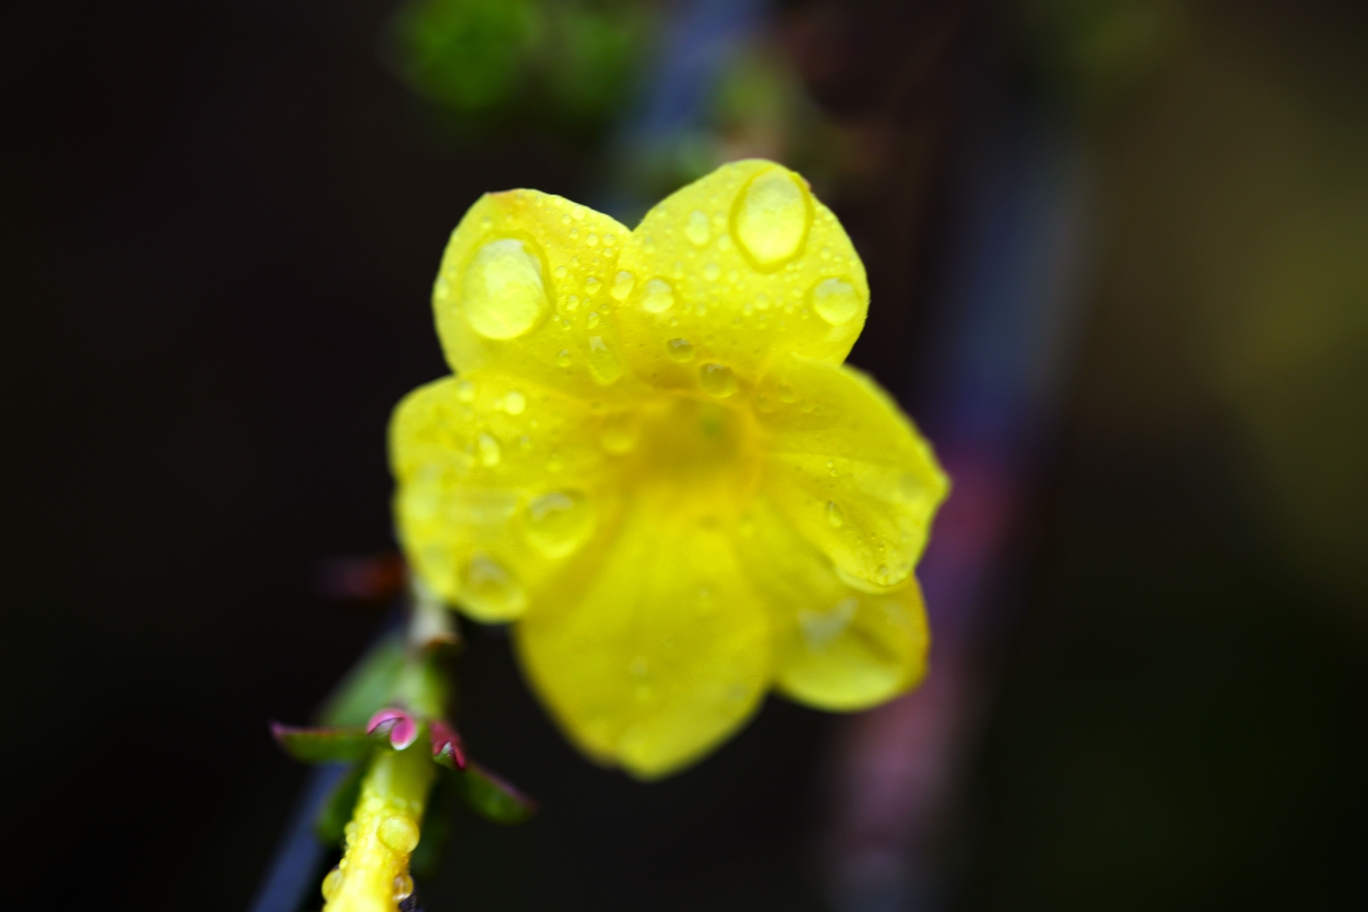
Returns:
(330, 825)
(323, 745)
(368, 685)
(491, 797)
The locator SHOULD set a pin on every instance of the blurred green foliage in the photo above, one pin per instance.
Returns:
(491, 64)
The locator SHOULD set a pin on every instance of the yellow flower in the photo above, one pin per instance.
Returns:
(654, 460)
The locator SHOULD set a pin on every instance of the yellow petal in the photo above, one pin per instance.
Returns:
(660, 653)
(732, 269)
(836, 647)
(525, 288)
(848, 469)
(499, 483)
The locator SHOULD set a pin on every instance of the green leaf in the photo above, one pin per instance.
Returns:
(491, 797)
(323, 745)
(330, 825)
(367, 686)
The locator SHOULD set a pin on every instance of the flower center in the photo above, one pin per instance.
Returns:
(699, 455)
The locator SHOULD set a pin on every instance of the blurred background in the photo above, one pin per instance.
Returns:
(1119, 260)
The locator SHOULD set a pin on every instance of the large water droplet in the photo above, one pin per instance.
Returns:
(592, 284)
(604, 365)
(490, 452)
(489, 590)
(681, 350)
(559, 523)
(697, 229)
(834, 514)
(332, 882)
(772, 218)
(502, 290)
(622, 285)
(821, 628)
(620, 433)
(657, 296)
(835, 301)
(514, 402)
(717, 380)
(403, 887)
(400, 833)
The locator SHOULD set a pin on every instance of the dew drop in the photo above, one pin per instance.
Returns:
(560, 272)
(559, 523)
(489, 450)
(592, 240)
(697, 229)
(332, 882)
(834, 514)
(465, 391)
(657, 297)
(593, 320)
(563, 358)
(514, 402)
(772, 218)
(403, 887)
(820, 628)
(711, 272)
(490, 590)
(681, 350)
(592, 284)
(577, 212)
(620, 433)
(622, 285)
(609, 240)
(602, 362)
(717, 380)
(502, 290)
(571, 303)
(835, 301)
(399, 833)
(786, 394)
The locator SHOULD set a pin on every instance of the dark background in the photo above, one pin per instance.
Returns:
(221, 224)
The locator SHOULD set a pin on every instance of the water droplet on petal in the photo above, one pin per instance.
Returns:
(657, 297)
(577, 212)
(490, 590)
(592, 284)
(622, 285)
(821, 628)
(559, 523)
(717, 380)
(489, 450)
(399, 833)
(560, 272)
(465, 391)
(786, 394)
(697, 229)
(514, 402)
(772, 218)
(593, 319)
(620, 432)
(680, 349)
(602, 362)
(711, 272)
(834, 515)
(835, 301)
(502, 290)
(403, 887)
(332, 882)
(563, 358)
(592, 240)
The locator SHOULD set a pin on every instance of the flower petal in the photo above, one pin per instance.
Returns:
(836, 647)
(731, 269)
(848, 469)
(524, 289)
(660, 653)
(499, 483)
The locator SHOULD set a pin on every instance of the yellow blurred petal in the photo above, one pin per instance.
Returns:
(525, 289)
(731, 270)
(836, 647)
(848, 469)
(499, 482)
(658, 654)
